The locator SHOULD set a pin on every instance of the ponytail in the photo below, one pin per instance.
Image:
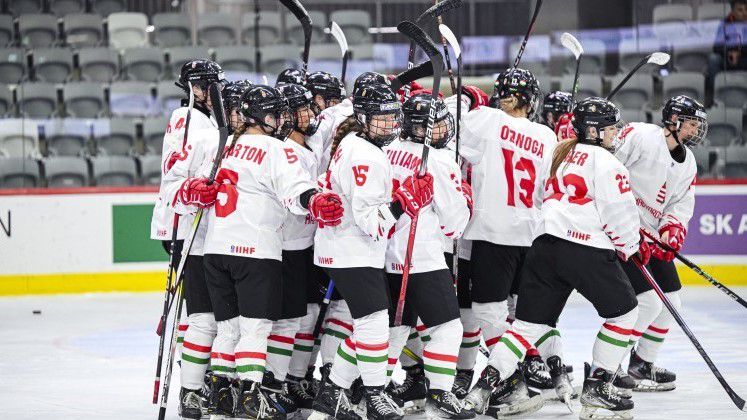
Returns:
(346, 127)
(561, 152)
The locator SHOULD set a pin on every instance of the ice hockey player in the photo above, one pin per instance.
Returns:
(292, 76)
(555, 104)
(353, 253)
(583, 185)
(662, 171)
(183, 154)
(430, 288)
(261, 179)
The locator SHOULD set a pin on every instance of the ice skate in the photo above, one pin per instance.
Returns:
(278, 393)
(535, 373)
(298, 391)
(478, 397)
(561, 381)
(462, 382)
(222, 397)
(441, 404)
(648, 377)
(253, 403)
(332, 403)
(600, 400)
(191, 404)
(512, 397)
(412, 391)
(380, 406)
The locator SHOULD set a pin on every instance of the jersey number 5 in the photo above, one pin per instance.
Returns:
(225, 207)
(525, 184)
(360, 174)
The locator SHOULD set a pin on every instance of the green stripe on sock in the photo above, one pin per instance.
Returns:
(346, 356)
(334, 333)
(552, 332)
(195, 360)
(282, 352)
(179, 339)
(472, 344)
(652, 338)
(511, 346)
(613, 341)
(425, 338)
(372, 359)
(412, 336)
(303, 348)
(250, 368)
(439, 370)
(219, 368)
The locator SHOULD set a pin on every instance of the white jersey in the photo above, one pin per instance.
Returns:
(465, 245)
(187, 157)
(262, 177)
(447, 215)
(589, 201)
(361, 174)
(329, 120)
(662, 186)
(505, 153)
(298, 231)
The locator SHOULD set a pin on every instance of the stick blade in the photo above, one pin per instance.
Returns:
(451, 39)
(336, 32)
(295, 7)
(439, 9)
(420, 71)
(659, 58)
(571, 43)
(417, 35)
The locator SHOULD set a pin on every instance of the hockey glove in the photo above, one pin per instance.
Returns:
(414, 193)
(467, 192)
(644, 253)
(476, 96)
(197, 192)
(326, 208)
(564, 128)
(673, 236)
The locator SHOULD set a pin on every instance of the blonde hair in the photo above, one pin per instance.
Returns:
(561, 152)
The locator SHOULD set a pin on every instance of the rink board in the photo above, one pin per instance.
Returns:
(98, 239)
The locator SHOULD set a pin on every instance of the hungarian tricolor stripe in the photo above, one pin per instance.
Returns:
(280, 345)
(655, 334)
(195, 353)
(515, 343)
(612, 334)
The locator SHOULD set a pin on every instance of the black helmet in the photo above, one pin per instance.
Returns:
(518, 83)
(555, 103)
(415, 118)
(259, 101)
(325, 85)
(290, 76)
(298, 97)
(377, 99)
(596, 113)
(232, 92)
(369, 77)
(685, 108)
(200, 73)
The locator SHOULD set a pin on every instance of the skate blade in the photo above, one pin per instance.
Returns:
(647, 385)
(624, 393)
(598, 413)
(414, 407)
(317, 415)
(527, 406)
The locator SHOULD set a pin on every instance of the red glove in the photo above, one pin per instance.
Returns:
(476, 95)
(644, 253)
(326, 208)
(564, 128)
(197, 192)
(467, 192)
(673, 236)
(427, 92)
(414, 193)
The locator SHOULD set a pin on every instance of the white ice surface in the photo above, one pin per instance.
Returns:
(93, 357)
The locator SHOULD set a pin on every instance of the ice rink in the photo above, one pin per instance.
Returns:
(93, 357)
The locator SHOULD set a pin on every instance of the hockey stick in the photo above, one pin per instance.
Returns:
(220, 117)
(417, 35)
(257, 52)
(323, 309)
(738, 401)
(440, 21)
(658, 58)
(697, 270)
(342, 41)
(423, 69)
(295, 7)
(571, 43)
(529, 32)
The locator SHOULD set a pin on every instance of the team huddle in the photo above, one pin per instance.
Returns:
(310, 212)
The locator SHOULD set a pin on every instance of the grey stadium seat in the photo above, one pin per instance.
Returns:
(6, 100)
(713, 11)
(107, 7)
(216, 29)
(127, 30)
(276, 58)
(54, 65)
(131, 99)
(684, 83)
(66, 172)
(235, 58)
(153, 131)
(528, 63)
(83, 30)
(294, 31)
(98, 64)
(19, 137)
(168, 96)
(637, 93)
(632, 51)
(702, 160)
(20, 7)
(83, 99)
(354, 23)
(730, 89)
(6, 30)
(67, 137)
(736, 162)
(180, 55)
(172, 29)
(724, 126)
(588, 85)
(145, 64)
(37, 30)
(672, 13)
(691, 60)
(120, 140)
(12, 65)
(634, 115)
(65, 7)
(270, 30)
(114, 171)
(594, 61)
(37, 100)
(19, 173)
(150, 167)
(327, 51)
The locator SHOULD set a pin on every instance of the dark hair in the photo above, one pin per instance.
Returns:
(346, 127)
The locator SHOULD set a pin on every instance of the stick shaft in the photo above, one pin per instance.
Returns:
(529, 32)
(445, 45)
(323, 309)
(406, 272)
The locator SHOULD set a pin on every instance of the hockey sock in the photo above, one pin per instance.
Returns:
(423, 332)
(280, 344)
(398, 336)
(470, 340)
(549, 344)
(303, 346)
(491, 317)
(371, 334)
(612, 340)
(345, 366)
(414, 344)
(514, 345)
(440, 354)
(196, 349)
(338, 326)
(251, 355)
(652, 339)
(222, 358)
(511, 302)
(649, 307)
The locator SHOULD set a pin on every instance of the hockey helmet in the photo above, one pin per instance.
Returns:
(415, 112)
(378, 111)
(691, 119)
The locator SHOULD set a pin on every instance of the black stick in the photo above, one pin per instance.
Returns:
(257, 52)
(529, 32)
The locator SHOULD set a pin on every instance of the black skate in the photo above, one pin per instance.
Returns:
(535, 373)
(222, 397)
(512, 397)
(253, 403)
(412, 391)
(355, 393)
(478, 397)
(441, 404)
(312, 384)
(190, 404)
(332, 403)
(649, 378)
(624, 384)
(599, 398)
(561, 381)
(380, 406)
(298, 391)
(462, 382)
(278, 393)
